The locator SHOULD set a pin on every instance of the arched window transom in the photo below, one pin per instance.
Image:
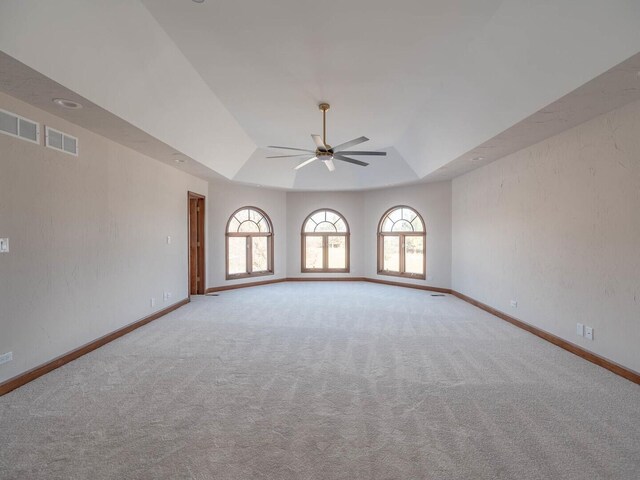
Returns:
(325, 242)
(249, 244)
(401, 243)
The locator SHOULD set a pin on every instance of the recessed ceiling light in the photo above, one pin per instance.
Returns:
(70, 104)
(477, 159)
(198, 1)
(179, 160)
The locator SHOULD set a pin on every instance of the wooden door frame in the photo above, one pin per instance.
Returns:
(202, 287)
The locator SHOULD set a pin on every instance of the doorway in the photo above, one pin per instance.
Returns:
(196, 244)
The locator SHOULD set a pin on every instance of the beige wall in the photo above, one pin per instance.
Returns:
(556, 227)
(362, 211)
(88, 240)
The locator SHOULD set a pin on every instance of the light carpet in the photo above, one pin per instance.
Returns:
(324, 380)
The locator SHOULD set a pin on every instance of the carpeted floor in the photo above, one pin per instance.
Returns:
(324, 381)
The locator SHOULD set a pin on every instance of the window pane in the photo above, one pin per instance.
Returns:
(337, 252)
(237, 255)
(326, 227)
(408, 214)
(414, 255)
(243, 215)
(396, 215)
(260, 254)
(310, 226)
(234, 224)
(387, 225)
(254, 216)
(341, 226)
(313, 252)
(391, 260)
(248, 226)
(263, 225)
(417, 225)
(319, 217)
(402, 226)
(332, 217)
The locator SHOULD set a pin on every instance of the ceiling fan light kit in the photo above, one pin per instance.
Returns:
(325, 152)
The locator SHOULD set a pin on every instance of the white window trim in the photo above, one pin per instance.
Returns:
(20, 117)
(48, 129)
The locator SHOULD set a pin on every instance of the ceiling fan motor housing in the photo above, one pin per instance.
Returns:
(325, 154)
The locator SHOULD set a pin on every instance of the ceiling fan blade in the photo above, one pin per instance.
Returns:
(306, 162)
(349, 144)
(317, 139)
(291, 148)
(290, 156)
(363, 153)
(337, 156)
(330, 166)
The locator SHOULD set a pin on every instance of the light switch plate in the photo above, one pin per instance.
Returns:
(580, 329)
(514, 303)
(588, 333)
(6, 357)
(4, 245)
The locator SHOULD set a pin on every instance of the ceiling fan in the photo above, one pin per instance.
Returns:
(326, 152)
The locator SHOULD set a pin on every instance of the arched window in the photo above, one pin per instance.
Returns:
(401, 241)
(249, 244)
(325, 242)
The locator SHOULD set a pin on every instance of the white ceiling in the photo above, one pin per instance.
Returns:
(428, 81)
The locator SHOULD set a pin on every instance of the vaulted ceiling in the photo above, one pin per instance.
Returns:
(426, 80)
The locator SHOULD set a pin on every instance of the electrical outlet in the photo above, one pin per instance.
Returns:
(168, 239)
(580, 329)
(514, 303)
(4, 245)
(153, 302)
(6, 357)
(588, 333)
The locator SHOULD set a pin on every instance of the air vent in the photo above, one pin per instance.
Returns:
(61, 141)
(17, 126)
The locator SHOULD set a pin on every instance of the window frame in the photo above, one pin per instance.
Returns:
(401, 250)
(325, 245)
(249, 246)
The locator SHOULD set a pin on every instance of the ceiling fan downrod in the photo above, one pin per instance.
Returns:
(324, 107)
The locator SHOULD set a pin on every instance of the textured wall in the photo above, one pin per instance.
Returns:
(88, 240)
(557, 227)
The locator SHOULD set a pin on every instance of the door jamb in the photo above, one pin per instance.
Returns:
(200, 227)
